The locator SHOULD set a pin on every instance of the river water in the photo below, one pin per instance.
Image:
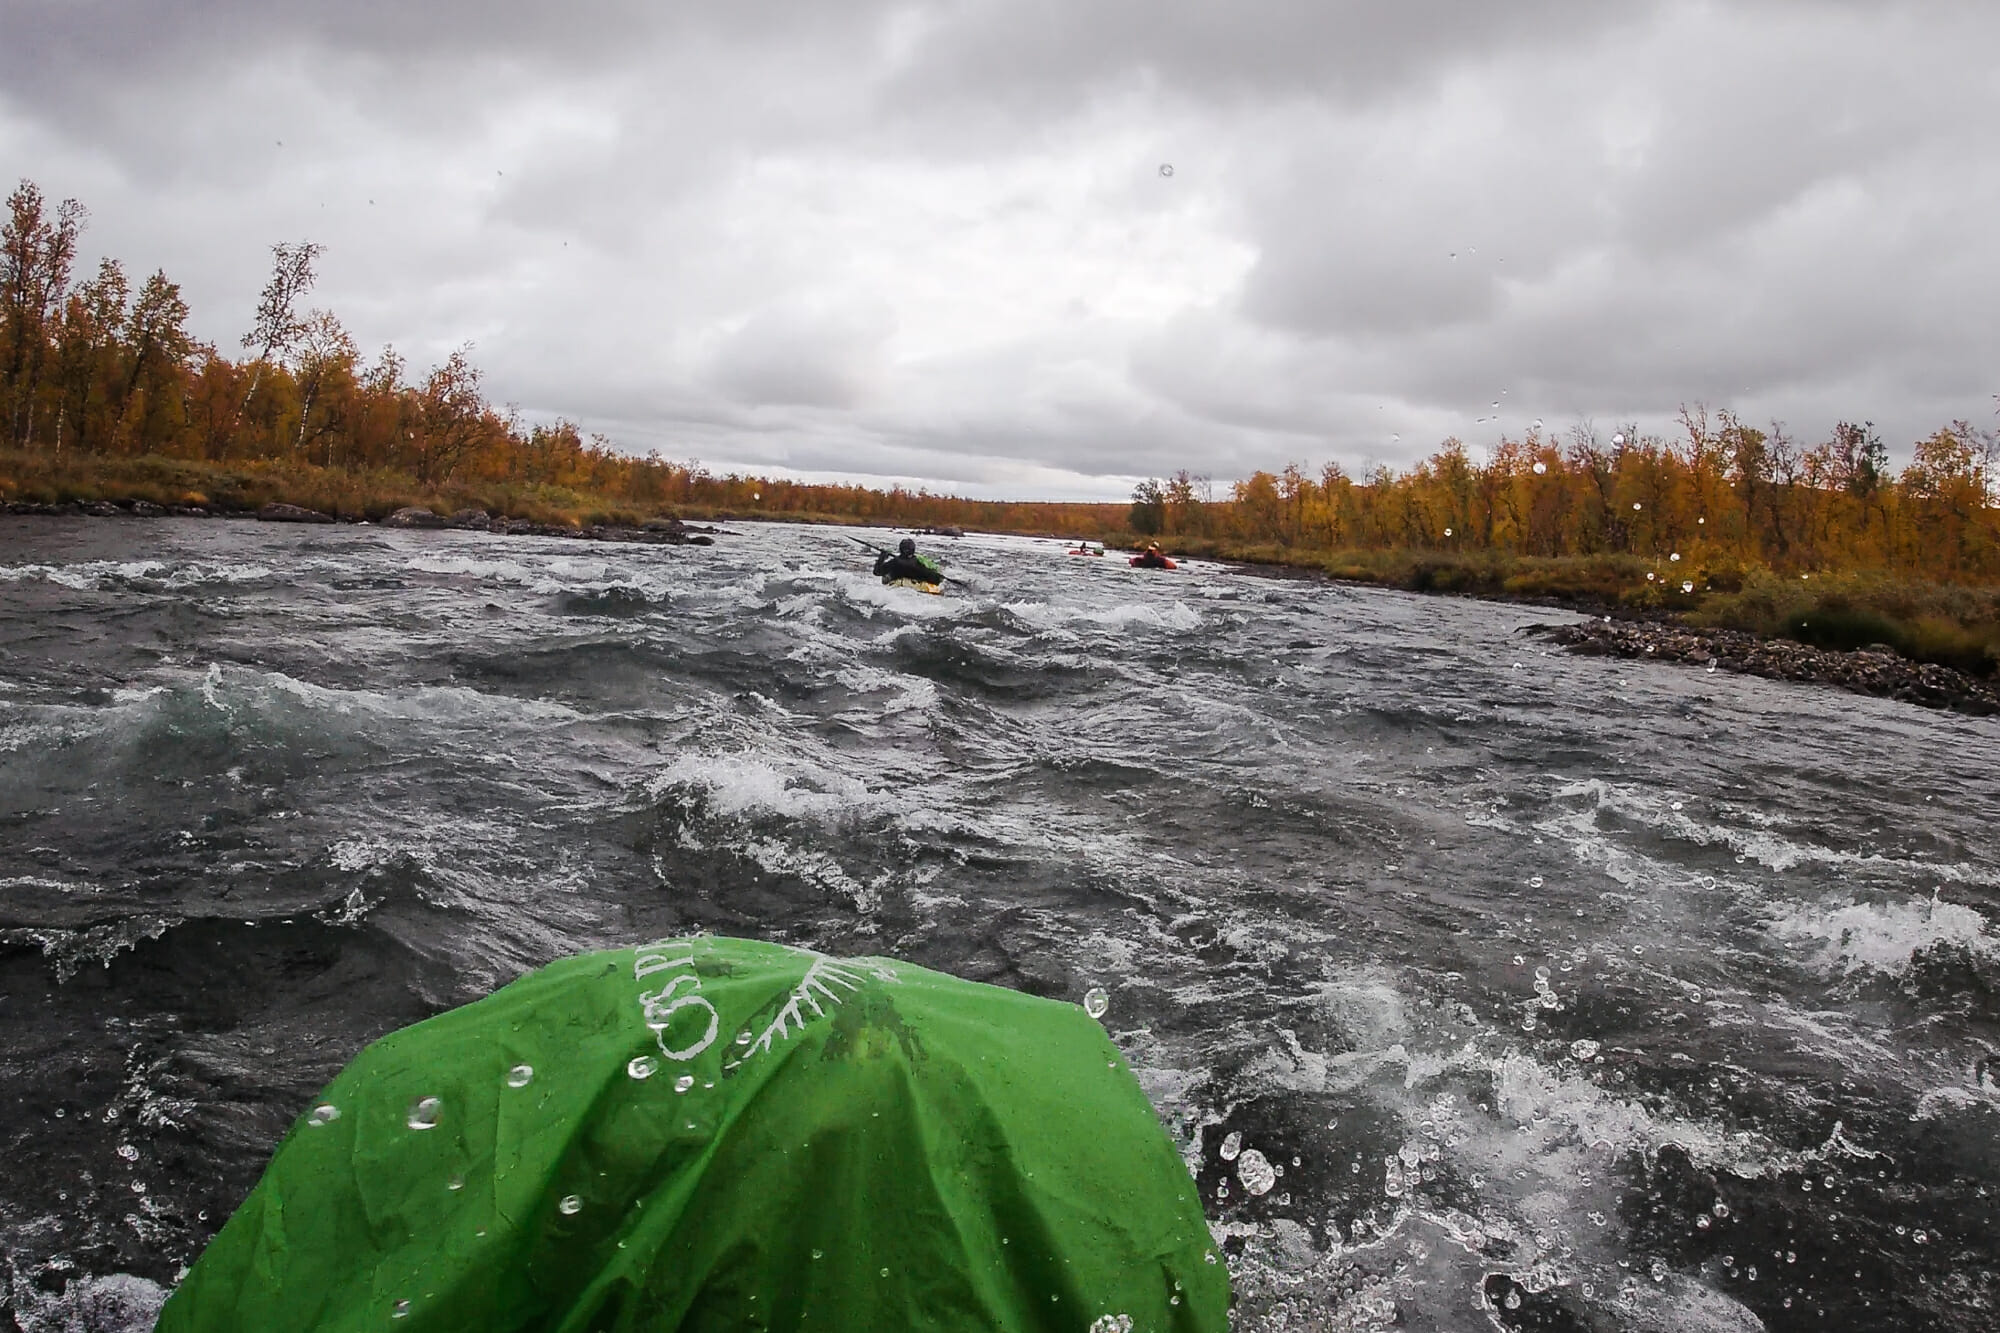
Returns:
(1565, 993)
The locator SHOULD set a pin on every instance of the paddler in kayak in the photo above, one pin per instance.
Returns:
(905, 564)
(1152, 558)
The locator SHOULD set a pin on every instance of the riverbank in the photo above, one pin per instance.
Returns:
(1875, 670)
(658, 531)
(1922, 643)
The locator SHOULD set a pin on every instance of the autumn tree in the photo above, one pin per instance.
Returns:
(277, 325)
(36, 254)
(1149, 509)
(322, 360)
(87, 351)
(450, 416)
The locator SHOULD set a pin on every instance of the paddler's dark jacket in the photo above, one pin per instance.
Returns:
(1150, 560)
(891, 567)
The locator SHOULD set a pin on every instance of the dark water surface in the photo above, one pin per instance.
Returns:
(1567, 993)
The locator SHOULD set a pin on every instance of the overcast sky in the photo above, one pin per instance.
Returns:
(1041, 248)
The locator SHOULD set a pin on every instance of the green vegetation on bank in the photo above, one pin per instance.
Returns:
(1953, 624)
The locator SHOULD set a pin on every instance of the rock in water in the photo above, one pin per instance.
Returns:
(413, 516)
(283, 513)
(469, 518)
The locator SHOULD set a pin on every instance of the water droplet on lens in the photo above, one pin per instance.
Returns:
(885, 1272)
(424, 1113)
(684, 1082)
(571, 1205)
(1255, 1172)
(520, 1076)
(1687, 585)
(1095, 1001)
(1701, 1223)
(1209, 1257)
(1231, 1145)
(400, 1310)
(1513, 1300)
(742, 1039)
(128, 1152)
(641, 1066)
(323, 1114)
(457, 1182)
(1535, 881)
(1583, 1049)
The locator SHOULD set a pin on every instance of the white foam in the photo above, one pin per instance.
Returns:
(1763, 845)
(93, 575)
(910, 693)
(741, 784)
(1883, 937)
(119, 1303)
(422, 703)
(871, 593)
(1941, 1103)
(819, 868)
(1050, 615)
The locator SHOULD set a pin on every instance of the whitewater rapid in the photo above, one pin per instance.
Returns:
(1480, 986)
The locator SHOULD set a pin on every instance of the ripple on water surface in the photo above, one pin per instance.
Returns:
(1572, 994)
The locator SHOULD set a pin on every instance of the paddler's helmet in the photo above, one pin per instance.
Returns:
(1152, 546)
(907, 546)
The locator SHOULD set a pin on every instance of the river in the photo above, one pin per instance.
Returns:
(1568, 993)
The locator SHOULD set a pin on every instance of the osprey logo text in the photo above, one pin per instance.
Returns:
(681, 992)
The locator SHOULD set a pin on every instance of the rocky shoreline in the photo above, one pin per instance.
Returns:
(659, 531)
(1877, 670)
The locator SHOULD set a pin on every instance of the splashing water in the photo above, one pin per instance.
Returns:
(1047, 780)
(1256, 1173)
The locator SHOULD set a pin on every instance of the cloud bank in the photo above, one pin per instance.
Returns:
(1043, 249)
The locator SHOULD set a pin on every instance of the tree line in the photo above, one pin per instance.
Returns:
(1716, 490)
(91, 368)
(102, 367)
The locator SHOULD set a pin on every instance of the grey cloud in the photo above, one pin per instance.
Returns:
(793, 357)
(690, 226)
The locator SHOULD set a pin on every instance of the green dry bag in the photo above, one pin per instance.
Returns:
(718, 1134)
